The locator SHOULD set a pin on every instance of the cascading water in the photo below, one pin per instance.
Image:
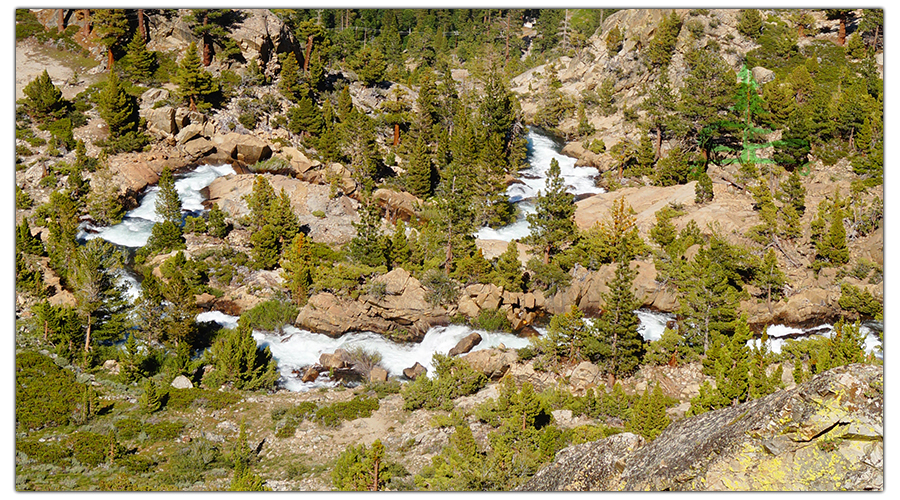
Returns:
(135, 228)
(296, 348)
(541, 149)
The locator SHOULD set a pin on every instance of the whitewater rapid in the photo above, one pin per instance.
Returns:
(135, 228)
(296, 348)
(533, 180)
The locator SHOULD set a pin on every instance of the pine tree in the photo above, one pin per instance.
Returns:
(43, 101)
(553, 223)
(659, 104)
(297, 266)
(99, 299)
(26, 242)
(508, 270)
(103, 199)
(117, 108)
(614, 39)
(832, 249)
(194, 83)
(568, 338)
(211, 25)
(151, 398)
(419, 172)
(750, 23)
(289, 83)
(283, 218)
(305, 118)
(622, 346)
(368, 246)
(769, 277)
(659, 50)
(139, 61)
(265, 248)
(216, 226)
(239, 361)
(648, 416)
(370, 65)
(400, 251)
(179, 323)
(110, 26)
(260, 201)
(708, 298)
(130, 368)
(396, 111)
(167, 234)
(703, 191)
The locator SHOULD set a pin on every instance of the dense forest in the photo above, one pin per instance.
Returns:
(120, 386)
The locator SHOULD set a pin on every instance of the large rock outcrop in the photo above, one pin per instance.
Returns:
(329, 220)
(824, 435)
(403, 312)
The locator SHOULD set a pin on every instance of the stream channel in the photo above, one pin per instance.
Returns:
(295, 348)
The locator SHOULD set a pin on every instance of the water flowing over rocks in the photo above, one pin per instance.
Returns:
(825, 434)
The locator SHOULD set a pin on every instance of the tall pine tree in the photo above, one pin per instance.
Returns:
(553, 223)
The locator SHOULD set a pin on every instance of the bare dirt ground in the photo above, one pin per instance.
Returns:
(32, 58)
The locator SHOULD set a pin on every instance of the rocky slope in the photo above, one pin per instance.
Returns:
(825, 434)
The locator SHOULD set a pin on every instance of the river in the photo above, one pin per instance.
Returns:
(297, 348)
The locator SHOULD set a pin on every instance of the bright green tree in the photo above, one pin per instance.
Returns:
(239, 361)
(370, 65)
(139, 62)
(659, 50)
(553, 223)
(750, 23)
(265, 250)
(110, 27)
(166, 234)
(419, 173)
(99, 299)
(117, 108)
(43, 101)
(195, 85)
(297, 266)
(26, 242)
(648, 416)
(616, 329)
(508, 270)
(290, 83)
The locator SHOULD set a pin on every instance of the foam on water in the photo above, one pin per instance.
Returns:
(299, 348)
(652, 323)
(135, 228)
(533, 180)
(779, 334)
(514, 231)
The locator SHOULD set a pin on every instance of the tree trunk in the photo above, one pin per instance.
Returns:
(87, 338)
(142, 27)
(396, 134)
(207, 44)
(193, 106)
(842, 32)
(86, 29)
(61, 20)
(309, 46)
(658, 144)
(375, 481)
(111, 60)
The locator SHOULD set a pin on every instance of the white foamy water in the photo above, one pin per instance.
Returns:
(779, 334)
(533, 180)
(300, 348)
(135, 228)
(652, 323)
